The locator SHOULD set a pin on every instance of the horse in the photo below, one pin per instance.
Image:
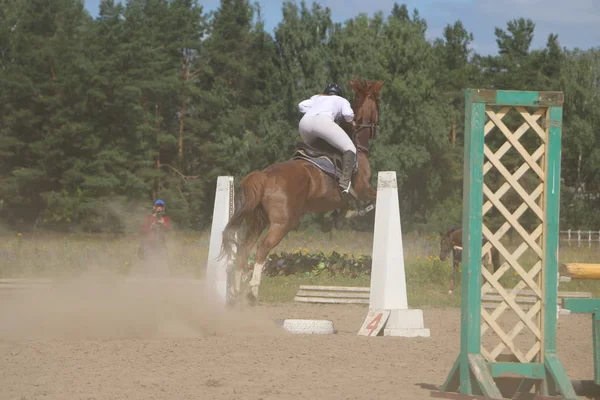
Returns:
(277, 196)
(451, 241)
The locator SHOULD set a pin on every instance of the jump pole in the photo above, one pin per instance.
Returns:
(389, 314)
(217, 277)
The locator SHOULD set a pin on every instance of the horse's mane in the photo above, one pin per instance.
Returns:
(364, 89)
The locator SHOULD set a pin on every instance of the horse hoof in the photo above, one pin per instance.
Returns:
(351, 214)
(252, 299)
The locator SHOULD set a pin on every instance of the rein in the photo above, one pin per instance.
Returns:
(372, 133)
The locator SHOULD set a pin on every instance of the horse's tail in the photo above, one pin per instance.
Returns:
(495, 258)
(247, 209)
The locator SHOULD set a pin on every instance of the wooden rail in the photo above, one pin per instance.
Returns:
(332, 294)
(583, 271)
(361, 295)
(526, 298)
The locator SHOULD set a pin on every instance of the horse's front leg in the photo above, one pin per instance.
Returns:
(362, 186)
(325, 222)
(372, 194)
(339, 215)
(454, 273)
(366, 193)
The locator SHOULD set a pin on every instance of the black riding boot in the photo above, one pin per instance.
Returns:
(348, 163)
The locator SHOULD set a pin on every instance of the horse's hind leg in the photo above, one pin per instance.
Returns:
(240, 264)
(276, 232)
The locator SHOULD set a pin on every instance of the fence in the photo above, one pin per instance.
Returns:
(580, 237)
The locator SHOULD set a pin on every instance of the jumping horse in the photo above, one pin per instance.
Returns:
(280, 194)
(451, 242)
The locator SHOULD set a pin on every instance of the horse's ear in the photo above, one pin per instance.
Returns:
(354, 83)
(377, 87)
(441, 233)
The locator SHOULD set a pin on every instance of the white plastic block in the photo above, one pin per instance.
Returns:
(407, 323)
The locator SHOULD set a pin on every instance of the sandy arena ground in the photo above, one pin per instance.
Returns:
(95, 339)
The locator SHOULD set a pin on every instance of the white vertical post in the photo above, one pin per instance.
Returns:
(388, 278)
(216, 270)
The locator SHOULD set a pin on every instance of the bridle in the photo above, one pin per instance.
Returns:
(372, 127)
(372, 133)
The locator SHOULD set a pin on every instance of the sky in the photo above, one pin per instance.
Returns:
(577, 22)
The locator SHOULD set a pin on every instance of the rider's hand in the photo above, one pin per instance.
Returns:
(353, 123)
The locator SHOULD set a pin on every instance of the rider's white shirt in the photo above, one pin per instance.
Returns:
(331, 106)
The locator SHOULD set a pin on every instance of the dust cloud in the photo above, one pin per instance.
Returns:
(105, 306)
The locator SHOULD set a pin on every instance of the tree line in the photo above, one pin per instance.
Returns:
(157, 98)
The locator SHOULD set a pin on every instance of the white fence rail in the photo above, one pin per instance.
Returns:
(580, 238)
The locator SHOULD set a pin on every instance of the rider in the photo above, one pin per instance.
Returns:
(320, 113)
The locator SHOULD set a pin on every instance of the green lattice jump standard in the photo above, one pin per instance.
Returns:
(474, 371)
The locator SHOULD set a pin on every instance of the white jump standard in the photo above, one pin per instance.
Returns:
(388, 279)
(217, 269)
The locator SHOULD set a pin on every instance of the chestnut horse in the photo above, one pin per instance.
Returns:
(280, 194)
(451, 241)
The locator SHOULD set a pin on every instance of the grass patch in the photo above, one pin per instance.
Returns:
(52, 255)
(428, 278)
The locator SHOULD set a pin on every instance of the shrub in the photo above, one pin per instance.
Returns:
(299, 262)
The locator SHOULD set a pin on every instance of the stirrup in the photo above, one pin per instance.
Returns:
(347, 189)
(348, 192)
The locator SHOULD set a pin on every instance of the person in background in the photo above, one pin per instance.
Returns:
(153, 247)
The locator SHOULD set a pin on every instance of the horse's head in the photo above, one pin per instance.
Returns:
(445, 245)
(366, 111)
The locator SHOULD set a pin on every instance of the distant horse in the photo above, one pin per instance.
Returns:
(451, 241)
(280, 194)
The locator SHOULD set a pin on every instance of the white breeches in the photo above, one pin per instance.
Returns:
(319, 126)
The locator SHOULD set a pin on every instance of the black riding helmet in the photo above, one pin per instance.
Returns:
(333, 88)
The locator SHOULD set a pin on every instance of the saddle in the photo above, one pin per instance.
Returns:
(323, 155)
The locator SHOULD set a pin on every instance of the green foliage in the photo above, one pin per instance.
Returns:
(308, 264)
(157, 98)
